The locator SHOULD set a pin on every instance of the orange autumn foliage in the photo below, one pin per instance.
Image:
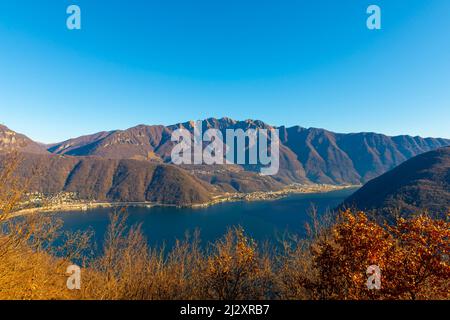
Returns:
(411, 254)
(235, 269)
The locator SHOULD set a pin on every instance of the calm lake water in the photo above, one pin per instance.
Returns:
(263, 220)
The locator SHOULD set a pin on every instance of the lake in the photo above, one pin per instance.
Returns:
(262, 220)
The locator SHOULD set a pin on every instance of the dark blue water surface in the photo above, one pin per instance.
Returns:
(262, 220)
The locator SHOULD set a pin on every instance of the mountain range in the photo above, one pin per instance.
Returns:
(307, 155)
(134, 164)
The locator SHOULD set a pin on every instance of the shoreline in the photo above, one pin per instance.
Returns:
(274, 195)
(222, 198)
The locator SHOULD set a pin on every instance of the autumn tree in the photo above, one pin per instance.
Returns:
(420, 267)
(235, 269)
(411, 254)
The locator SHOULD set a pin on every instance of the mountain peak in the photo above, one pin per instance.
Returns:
(13, 141)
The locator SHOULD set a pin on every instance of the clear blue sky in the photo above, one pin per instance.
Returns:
(307, 62)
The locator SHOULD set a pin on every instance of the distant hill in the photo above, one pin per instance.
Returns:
(306, 155)
(421, 183)
(13, 141)
(112, 180)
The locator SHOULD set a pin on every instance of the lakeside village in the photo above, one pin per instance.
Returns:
(70, 201)
(276, 195)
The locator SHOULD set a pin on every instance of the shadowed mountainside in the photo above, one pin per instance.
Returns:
(421, 183)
